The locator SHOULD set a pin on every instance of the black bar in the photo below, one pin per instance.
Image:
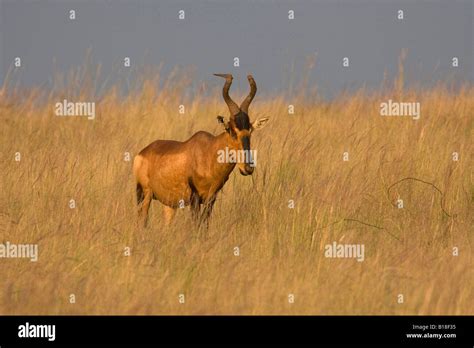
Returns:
(289, 330)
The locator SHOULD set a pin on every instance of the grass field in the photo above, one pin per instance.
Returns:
(408, 251)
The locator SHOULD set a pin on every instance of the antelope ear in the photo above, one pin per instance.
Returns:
(260, 123)
(224, 124)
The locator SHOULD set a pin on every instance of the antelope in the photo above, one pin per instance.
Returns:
(179, 174)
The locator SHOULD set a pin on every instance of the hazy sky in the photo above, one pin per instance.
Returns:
(268, 44)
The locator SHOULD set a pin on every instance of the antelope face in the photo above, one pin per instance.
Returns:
(239, 126)
(246, 166)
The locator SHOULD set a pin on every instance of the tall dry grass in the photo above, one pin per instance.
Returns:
(407, 251)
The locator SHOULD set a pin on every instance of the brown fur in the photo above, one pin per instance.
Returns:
(174, 172)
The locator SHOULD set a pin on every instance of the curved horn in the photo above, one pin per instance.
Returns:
(253, 90)
(233, 107)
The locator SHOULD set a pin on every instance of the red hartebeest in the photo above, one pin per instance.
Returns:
(188, 173)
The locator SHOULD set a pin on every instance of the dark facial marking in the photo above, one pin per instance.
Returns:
(246, 146)
(242, 121)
